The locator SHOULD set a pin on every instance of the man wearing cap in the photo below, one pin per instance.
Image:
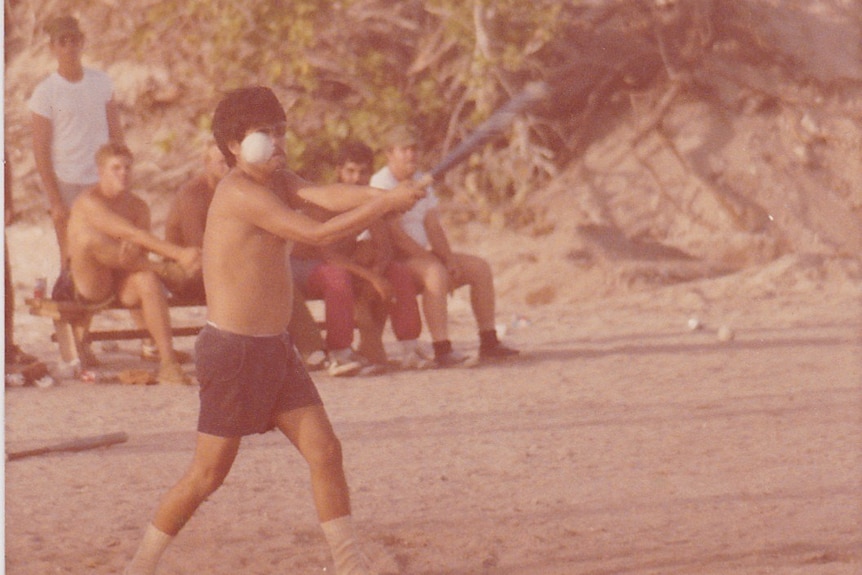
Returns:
(421, 242)
(73, 114)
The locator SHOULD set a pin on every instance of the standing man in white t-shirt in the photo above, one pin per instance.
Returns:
(73, 114)
(421, 242)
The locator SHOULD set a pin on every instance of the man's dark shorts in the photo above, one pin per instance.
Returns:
(247, 380)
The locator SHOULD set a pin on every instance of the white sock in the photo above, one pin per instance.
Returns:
(345, 550)
(409, 346)
(149, 552)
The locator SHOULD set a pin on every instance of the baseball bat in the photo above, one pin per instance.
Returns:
(73, 445)
(496, 123)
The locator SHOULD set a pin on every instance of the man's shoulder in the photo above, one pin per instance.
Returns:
(94, 75)
(192, 189)
(137, 201)
(44, 90)
(234, 191)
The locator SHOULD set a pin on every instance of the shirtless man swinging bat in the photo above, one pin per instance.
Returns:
(251, 378)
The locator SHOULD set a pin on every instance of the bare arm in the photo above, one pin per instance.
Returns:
(115, 126)
(377, 281)
(265, 210)
(193, 231)
(42, 131)
(338, 197)
(186, 220)
(381, 244)
(331, 197)
(100, 218)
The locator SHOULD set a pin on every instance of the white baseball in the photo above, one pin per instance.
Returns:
(257, 148)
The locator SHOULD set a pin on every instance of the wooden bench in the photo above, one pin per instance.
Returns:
(72, 320)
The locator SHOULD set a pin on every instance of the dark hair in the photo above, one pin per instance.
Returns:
(240, 110)
(355, 151)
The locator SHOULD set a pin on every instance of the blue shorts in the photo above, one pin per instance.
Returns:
(246, 381)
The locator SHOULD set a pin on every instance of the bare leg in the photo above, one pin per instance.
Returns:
(60, 226)
(371, 320)
(146, 289)
(311, 432)
(309, 429)
(477, 274)
(212, 461)
(429, 273)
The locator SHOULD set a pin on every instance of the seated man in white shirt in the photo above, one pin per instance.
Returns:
(421, 243)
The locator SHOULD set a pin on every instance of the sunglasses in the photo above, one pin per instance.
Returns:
(70, 40)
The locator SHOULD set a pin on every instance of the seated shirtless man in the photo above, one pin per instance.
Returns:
(109, 239)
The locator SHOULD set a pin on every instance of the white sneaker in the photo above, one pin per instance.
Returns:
(412, 356)
(369, 368)
(316, 360)
(342, 363)
(413, 360)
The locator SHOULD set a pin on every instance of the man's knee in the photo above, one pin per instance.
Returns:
(436, 278)
(325, 451)
(478, 270)
(204, 481)
(147, 284)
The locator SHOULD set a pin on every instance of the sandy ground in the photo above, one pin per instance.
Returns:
(620, 443)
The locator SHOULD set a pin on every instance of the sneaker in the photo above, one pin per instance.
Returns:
(369, 368)
(316, 360)
(413, 356)
(342, 363)
(498, 351)
(453, 359)
(414, 360)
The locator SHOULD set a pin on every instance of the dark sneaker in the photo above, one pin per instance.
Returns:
(498, 351)
(453, 359)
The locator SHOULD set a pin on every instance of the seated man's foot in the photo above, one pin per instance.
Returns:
(149, 352)
(413, 356)
(414, 360)
(316, 360)
(498, 351)
(172, 374)
(453, 358)
(369, 367)
(342, 363)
